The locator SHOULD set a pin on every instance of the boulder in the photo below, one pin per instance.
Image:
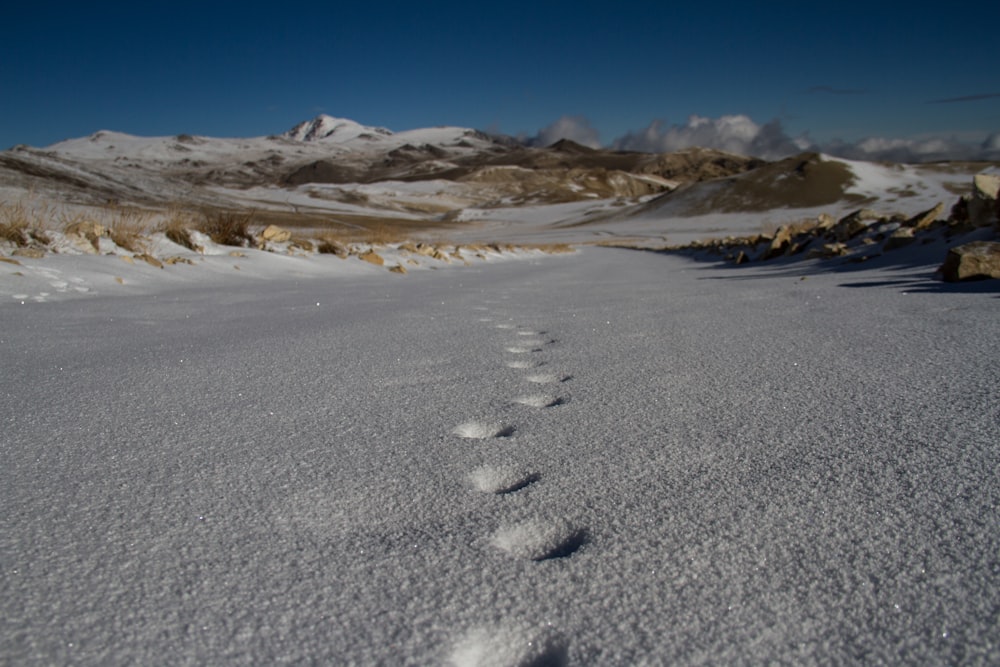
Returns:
(852, 224)
(89, 231)
(900, 238)
(331, 247)
(149, 259)
(825, 221)
(275, 234)
(985, 193)
(926, 219)
(828, 251)
(372, 257)
(972, 261)
(780, 243)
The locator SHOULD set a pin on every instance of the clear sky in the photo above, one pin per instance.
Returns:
(826, 72)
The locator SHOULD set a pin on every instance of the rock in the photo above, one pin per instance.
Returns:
(303, 244)
(825, 221)
(828, 251)
(399, 268)
(237, 253)
(8, 260)
(89, 231)
(426, 250)
(972, 261)
(177, 260)
(985, 193)
(127, 259)
(852, 224)
(372, 257)
(331, 247)
(926, 219)
(149, 259)
(900, 238)
(781, 241)
(741, 258)
(275, 234)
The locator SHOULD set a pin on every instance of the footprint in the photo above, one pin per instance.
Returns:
(482, 430)
(505, 326)
(540, 539)
(530, 332)
(511, 647)
(540, 400)
(517, 349)
(546, 378)
(519, 363)
(501, 479)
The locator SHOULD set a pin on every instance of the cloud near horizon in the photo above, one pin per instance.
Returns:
(574, 128)
(742, 135)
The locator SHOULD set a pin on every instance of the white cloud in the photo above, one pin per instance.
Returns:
(574, 128)
(923, 149)
(734, 134)
(741, 134)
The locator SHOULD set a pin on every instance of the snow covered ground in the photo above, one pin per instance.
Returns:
(604, 458)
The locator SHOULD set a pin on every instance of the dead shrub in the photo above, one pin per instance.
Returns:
(129, 229)
(14, 224)
(329, 244)
(302, 243)
(177, 228)
(228, 227)
(21, 224)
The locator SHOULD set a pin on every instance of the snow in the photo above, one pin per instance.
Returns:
(683, 463)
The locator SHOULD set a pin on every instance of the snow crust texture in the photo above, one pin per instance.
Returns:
(687, 465)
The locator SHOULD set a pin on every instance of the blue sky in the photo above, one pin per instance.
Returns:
(841, 71)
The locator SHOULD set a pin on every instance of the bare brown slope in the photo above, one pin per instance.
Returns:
(801, 181)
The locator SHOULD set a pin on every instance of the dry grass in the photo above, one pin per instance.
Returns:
(550, 248)
(129, 228)
(21, 224)
(14, 224)
(228, 227)
(177, 228)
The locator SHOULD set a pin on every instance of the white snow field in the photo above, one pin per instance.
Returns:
(604, 458)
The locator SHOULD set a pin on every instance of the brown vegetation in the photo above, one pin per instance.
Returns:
(227, 227)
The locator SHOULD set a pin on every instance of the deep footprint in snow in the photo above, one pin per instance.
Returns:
(540, 539)
(482, 430)
(523, 363)
(547, 378)
(510, 647)
(540, 400)
(501, 479)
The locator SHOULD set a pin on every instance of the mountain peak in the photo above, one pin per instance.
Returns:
(324, 127)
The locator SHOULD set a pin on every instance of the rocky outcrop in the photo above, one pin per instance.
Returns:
(978, 260)
(983, 203)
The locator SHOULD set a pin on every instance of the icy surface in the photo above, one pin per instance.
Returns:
(687, 465)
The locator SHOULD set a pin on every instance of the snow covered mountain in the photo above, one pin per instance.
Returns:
(452, 175)
(325, 127)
